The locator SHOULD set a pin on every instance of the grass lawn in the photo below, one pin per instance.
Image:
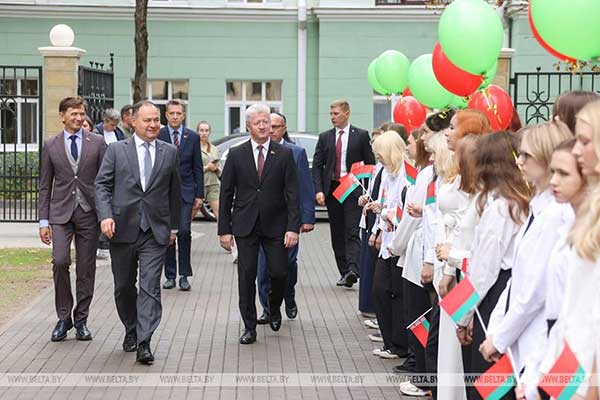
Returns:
(23, 274)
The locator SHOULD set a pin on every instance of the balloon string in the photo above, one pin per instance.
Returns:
(492, 107)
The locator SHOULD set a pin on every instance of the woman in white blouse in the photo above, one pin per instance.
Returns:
(518, 320)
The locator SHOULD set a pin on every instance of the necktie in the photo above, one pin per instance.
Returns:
(337, 168)
(176, 138)
(147, 165)
(261, 161)
(74, 151)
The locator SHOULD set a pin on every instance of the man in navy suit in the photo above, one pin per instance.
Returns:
(307, 219)
(192, 191)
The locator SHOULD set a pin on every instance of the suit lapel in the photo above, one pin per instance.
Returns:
(249, 161)
(132, 158)
(85, 144)
(158, 160)
(351, 144)
(332, 144)
(270, 159)
(59, 147)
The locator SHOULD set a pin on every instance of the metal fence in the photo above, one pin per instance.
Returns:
(97, 87)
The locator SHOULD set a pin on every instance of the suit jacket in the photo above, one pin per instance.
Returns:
(359, 149)
(118, 132)
(119, 193)
(58, 181)
(191, 170)
(306, 187)
(245, 198)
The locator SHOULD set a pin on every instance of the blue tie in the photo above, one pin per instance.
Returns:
(74, 152)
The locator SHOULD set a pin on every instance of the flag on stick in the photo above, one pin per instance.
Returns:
(430, 193)
(398, 214)
(497, 381)
(565, 376)
(420, 328)
(411, 172)
(362, 171)
(348, 183)
(460, 300)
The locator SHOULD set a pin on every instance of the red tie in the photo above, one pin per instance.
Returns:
(337, 169)
(261, 161)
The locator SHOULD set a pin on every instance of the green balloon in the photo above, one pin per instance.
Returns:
(471, 35)
(391, 71)
(489, 76)
(459, 102)
(424, 85)
(571, 27)
(373, 79)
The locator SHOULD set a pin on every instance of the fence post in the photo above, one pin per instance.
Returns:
(61, 63)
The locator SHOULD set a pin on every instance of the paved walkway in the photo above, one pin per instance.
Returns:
(199, 335)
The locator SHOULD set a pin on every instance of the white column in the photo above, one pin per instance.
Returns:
(302, 60)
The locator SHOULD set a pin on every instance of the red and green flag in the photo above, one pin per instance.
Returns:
(362, 170)
(460, 300)
(565, 376)
(411, 172)
(382, 200)
(348, 183)
(430, 199)
(420, 328)
(398, 214)
(464, 266)
(497, 381)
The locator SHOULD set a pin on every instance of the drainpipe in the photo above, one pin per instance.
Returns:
(302, 44)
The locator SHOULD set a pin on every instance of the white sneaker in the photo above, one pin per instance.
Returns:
(376, 337)
(371, 323)
(384, 353)
(409, 389)
(102, 254)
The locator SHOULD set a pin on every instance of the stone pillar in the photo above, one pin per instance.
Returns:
(502, 78)
(61, 65)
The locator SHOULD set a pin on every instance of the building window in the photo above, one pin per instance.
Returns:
(239, 95)
(383, 108)
(19, 114)
(161, 91)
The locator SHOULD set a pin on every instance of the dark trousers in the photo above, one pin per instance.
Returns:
(431, 351)
(343, 224)
(264, 283)
(368, 257)
(389, 307)
(84, 227)
(417, 301)
(276, 263)
(140, 312)
(184, 244)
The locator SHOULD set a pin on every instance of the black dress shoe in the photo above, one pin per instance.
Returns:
(275, 320)
(130, 343)
(169, 284)
(248, 337)
(60, 330)
(144, 355)
(82, 333)
(184, 285)
(341, 282)
(263, 319)
(291, 310)
(350, 279)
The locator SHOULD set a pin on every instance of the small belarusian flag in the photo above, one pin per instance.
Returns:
(430, 193)
(398, 214)
(362, 171)
(348, 183)
(411, 172)
(460, 300)
(420, 328)
(565, 376)
(498, 380)
(382, 199)
(464, 266)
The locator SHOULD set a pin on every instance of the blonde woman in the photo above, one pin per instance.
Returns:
(212, 167)
(390, 151)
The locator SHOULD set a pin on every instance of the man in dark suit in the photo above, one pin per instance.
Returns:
(109, 127)
(192, 191)
(307, 219)
(337, 149)
(138, 197)
(67, 209)
(259, 206)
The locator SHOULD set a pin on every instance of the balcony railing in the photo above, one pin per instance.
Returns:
(411, 2)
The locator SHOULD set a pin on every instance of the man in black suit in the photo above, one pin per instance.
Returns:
(337, 149)
(260, 206)
(138, 199)
(192, 191)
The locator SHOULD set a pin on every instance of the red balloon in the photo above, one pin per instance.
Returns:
(543, 43)
(495, 103)
(454, 79)
(407, 92)
(410, 113)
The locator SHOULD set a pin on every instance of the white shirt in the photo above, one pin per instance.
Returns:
(343, 170)
(524, 322)
(265, 150)
(109, 137)
(393, 186)
(431, 213)
(141, 154)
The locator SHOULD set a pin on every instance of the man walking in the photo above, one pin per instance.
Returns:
(259, 206)
(337, 149)
(192, 191)
(125, 124)
(138, 197)
(307, 219)
(70, 162)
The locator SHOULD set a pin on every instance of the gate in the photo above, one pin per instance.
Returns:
(21, 140)
(534, 93)
(97, 87)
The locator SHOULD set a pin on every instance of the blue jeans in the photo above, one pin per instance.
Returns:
(264, 284)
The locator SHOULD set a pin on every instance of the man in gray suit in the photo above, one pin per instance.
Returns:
(138, 198)
(70, 162)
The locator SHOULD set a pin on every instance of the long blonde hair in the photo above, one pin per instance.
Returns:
(392, 149)
(443, 158)
(585, 234)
